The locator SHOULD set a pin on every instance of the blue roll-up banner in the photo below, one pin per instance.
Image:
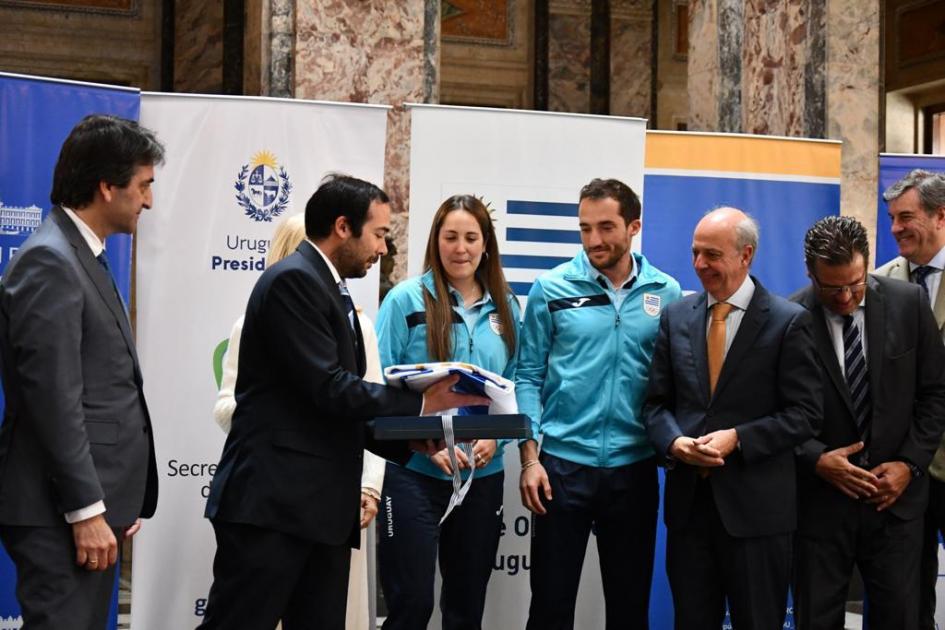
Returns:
(36, 115)
(892, 168)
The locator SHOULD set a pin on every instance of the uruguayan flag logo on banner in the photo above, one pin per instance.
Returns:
(539, 235)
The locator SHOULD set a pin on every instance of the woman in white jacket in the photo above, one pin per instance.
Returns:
(289, 233)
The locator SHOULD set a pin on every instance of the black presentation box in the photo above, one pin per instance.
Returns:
(472, 427)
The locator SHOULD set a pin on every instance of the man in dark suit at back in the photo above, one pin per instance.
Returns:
(76, 450)
(734, 387)
(863, 485)
(285, 499)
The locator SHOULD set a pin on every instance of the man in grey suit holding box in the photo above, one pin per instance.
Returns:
(77, 466)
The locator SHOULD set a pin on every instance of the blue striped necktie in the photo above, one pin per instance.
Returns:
(349, 304)
(854, 361)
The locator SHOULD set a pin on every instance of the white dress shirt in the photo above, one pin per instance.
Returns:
(740, 301)
(331, 267)
(835, 329)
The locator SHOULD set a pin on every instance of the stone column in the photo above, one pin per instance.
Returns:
(852, 97)
(569, 56)
(801, 68)
(372, 51)
(631, 57)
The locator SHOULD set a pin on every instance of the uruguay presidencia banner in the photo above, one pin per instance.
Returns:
(528, 167)
(36, 115)
(892, 168)
(785, 183)
(235, 167)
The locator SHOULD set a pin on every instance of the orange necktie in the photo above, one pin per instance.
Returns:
(716, 341)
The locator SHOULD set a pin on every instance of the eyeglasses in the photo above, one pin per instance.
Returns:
(831, 291)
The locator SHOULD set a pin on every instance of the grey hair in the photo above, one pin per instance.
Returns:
(747, 232)
(930, 187)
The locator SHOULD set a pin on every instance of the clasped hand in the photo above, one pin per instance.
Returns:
(706, 451)
(881, 486)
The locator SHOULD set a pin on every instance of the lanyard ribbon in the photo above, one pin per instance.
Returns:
(459, 488)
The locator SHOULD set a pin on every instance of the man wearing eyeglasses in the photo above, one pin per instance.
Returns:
(862, 488)
(917, 211)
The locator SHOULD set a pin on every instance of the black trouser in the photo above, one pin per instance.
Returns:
(620, 506)
(884, 548)
(52, 590)
(928, 576)
(411, 539)
(261, 576)
(707, 566)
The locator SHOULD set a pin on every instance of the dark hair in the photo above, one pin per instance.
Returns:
(340, 195)
(489, 273)
(834, 241)
(101, 149)
(619, 192)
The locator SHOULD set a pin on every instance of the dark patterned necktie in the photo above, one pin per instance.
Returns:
(920, 274)
(854, 361)
(103, 261)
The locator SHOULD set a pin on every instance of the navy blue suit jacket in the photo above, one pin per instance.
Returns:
(768, 390)
(292, 460)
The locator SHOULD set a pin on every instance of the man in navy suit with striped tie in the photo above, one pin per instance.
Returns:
(863, 484)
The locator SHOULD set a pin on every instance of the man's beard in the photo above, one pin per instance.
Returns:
(350, 264)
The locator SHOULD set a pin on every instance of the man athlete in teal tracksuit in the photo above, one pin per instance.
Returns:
(584, 355)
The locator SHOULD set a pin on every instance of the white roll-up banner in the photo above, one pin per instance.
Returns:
(235, 166)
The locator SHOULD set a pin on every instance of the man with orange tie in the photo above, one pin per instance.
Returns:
(734, 388)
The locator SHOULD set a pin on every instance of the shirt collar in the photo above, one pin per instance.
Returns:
(458, 298)
(91, 238)
(600, 277)
(741, 298)
(839, 318)
(334, 272)
(938, 261)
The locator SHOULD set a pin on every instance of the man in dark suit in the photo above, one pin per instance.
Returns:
(284, 502)
(862, 481)
(734, 387)
(76, 451)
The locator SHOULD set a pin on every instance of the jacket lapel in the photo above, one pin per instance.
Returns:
(100, 278)
(825, 348)
(697, 325)
(939, 305)
(752, 323)
(875, 334)
(331, 288)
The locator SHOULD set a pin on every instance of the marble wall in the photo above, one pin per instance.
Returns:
(122, 48)
(569, 56)
(800, 68)
(490, 67)
(852, 98)
(631, 57)
(372, 51)
(198, 46)
(672, 100)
